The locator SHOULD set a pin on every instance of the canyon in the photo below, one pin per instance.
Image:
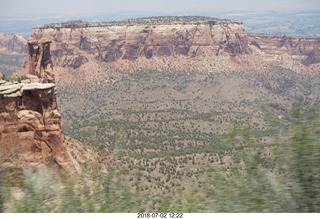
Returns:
(11, 43)
(88, 55)
(181, 108)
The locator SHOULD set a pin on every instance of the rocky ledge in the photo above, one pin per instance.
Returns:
(30, 126)
(30, 123)
(8, 89)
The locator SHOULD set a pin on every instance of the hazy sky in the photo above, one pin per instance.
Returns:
(68, 8)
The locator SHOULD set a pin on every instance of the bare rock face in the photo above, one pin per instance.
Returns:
(169, 41)
(303, 49)
(148, 38)
(101, 52)
(12, 43)
(30, 126)
(40, 63)
(30, 123)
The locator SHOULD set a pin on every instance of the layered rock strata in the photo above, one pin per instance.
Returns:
(304, 49)
(11, 43)
(74, 43)
(30, 123)
(108, 42)
(30, 126)
(40, 63)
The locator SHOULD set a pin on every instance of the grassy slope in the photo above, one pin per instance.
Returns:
(10, 63)
(174, 133)
(184, 142)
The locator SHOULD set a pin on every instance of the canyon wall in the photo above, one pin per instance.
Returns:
(30, 122)
(304, 49)
(76, 43)
(30, 126)
(109, 42)
(11, 43)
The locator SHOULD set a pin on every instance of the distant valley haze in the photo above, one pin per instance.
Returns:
(80, 8)
(267, 16)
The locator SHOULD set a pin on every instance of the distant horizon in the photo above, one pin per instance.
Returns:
(250, 19)
(120, 16)
(80, 8)
(19, 16)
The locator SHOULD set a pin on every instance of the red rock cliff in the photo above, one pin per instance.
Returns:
(155, 37)
(30, 123)
(304, 49)
(94, 52)
(12, 43)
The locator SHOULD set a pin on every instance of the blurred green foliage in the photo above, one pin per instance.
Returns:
(287, 183)
(305, 158)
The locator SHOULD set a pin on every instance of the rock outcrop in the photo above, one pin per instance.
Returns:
(73, 42)
(303, 49)
(30, 126)
(40, 63)
(30, 123)
(160, 41)
(12, 43)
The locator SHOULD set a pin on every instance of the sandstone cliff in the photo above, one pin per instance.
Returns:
(40, 63)
(30, 123)
(304, 49)
(172, 40)
(75, 42)
(12, 43)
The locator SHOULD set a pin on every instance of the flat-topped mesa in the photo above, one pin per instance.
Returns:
(159, 20)
(75, 43)
(40, 62)
(211, 44)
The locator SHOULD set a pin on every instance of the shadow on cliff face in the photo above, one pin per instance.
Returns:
(74, 61)
(312, 58)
